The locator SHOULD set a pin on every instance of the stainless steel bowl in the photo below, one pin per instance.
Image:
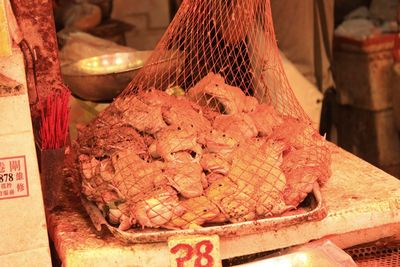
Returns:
(102, 78)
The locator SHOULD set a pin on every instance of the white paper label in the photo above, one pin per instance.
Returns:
(13, 177)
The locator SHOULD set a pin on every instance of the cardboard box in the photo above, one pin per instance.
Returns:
(363, 72)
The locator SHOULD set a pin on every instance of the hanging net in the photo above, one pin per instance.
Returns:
(208, 132)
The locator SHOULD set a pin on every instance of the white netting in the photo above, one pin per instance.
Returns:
(208, 132)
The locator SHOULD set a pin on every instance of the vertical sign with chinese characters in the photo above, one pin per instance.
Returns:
(13, 177)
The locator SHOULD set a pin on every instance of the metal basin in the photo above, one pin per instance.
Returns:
(102, 78)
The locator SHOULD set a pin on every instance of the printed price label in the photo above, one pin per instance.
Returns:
(13, 177)
(194, 251)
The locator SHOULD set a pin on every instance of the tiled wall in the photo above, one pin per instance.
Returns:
(150, 18)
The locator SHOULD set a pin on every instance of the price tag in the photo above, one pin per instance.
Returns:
(194, 251)
(13, 177)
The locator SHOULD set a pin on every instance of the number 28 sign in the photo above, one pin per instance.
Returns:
(194, 251)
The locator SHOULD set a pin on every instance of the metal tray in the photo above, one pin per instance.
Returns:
(316, 211)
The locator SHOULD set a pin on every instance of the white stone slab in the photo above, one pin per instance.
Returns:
(33, 258)
(23, 231)
(14, 115)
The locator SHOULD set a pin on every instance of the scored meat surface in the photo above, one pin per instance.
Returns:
(240, 126)
(304, 168)
(212, 90)
(214, 155)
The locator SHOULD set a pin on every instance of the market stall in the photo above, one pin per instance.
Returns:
(200, 153)
(363, 205)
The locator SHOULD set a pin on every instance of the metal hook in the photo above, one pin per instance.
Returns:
(33, 59)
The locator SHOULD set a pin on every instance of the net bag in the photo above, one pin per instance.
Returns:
(208, 132)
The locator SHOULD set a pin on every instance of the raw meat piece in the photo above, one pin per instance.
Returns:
(198, 211)
(175, 139)
(303, 168)
(239, 125)
(211, 162)
(220, 143)
(158, 207)
(187, 178)
(212, 90)
(265, 118)
(295, 133)
(139, 115)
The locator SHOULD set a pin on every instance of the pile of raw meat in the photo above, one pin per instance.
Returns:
(213, 155)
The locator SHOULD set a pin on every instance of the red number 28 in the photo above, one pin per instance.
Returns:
(188, 256)
(208, 246)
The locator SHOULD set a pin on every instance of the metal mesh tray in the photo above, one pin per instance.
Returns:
(314, 211)
(370, 255)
